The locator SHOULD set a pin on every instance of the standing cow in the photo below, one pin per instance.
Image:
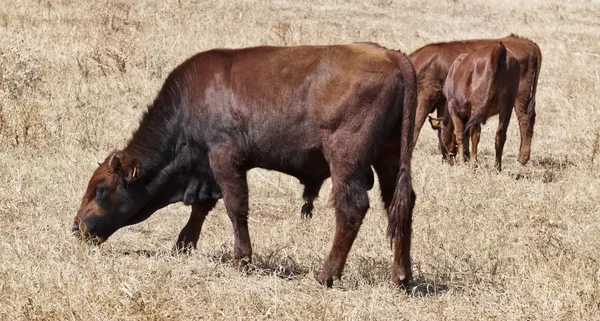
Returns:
(432, 63)
(481, 84)
(310, 112)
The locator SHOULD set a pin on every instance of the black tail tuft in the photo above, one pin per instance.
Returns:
(402, 207)
(501, 63)
(476, 119)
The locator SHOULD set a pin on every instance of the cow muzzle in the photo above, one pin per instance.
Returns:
(81, 230)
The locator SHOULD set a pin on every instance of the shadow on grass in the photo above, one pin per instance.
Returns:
(367, 272)
(273, 263)
(284, 267)
(144, 253)
(546, 169)
(553, 163)
(373, 271)
(424, 287)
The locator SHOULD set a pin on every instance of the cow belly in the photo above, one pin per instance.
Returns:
(305, 164)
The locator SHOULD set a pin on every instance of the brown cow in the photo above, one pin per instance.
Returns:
(432, 63)
(479, 85)
(310, 112)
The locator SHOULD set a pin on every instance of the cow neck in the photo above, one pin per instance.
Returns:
(441, 138)
(154, 142)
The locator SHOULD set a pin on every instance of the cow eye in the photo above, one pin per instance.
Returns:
(100, 190)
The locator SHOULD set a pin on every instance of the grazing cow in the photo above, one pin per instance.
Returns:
(310, 112)
(479, 85)
(432, 63)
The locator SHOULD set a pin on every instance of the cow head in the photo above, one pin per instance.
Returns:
(436, 123)
(121, 192)
(446, 139)
(112, 199)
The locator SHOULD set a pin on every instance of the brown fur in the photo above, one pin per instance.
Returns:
(479, 85)
(432, 63)
(310, 112)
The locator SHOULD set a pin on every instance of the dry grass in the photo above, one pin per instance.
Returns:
(75, 77)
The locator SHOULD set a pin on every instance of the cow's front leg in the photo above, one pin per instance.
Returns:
(458, 130)
(234, 186)
(188, 237)
(311, 191)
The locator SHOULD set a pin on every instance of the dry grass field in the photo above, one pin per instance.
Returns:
(75, 77)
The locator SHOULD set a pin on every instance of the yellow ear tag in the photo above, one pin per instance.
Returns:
(134, 174)
(435, 122)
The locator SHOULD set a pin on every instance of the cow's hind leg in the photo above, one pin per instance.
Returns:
(526, 118)
(351, 181)
(466, 149)
(311, 191)
(234, 186)
(188, 237)
(387, 167)
(475, 135)
(504, 120)
(426, 105)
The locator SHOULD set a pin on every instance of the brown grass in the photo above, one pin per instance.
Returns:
(75, 77)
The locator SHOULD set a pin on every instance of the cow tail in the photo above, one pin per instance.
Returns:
(501, 61)
(401, 207)
(500, 66)
(531, 106)
(476, 119)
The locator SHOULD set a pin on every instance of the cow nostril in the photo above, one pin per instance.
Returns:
(75, 228)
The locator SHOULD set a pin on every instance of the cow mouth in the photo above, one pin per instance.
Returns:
(80, 230)
(90, 238)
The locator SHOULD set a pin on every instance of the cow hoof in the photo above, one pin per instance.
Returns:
(400, 285)
(401, 277)
(523, 160)
(306, 211)
(241, 264)
(328, 283)
(184, 247)
(305, 215)
(186, 250)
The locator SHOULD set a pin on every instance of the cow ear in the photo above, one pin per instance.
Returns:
(115, 161)
(126, 168)
(436, 123)
(134, 171)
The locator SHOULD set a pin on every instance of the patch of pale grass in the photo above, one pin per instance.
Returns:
(76, 76)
